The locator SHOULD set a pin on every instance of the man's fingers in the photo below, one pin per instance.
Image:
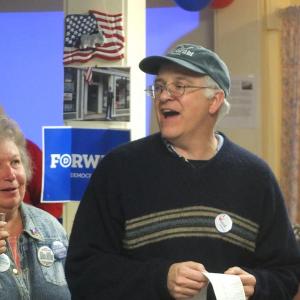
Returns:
(192, 271)
(185, 279)
(247, 279)
(234, 271)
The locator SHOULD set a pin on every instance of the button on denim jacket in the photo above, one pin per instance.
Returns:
(37, 280)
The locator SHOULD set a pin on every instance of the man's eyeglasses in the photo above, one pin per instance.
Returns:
(173, 89)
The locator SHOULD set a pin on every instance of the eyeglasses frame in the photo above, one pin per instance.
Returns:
(150, 89)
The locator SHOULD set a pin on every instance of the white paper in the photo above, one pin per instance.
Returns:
(226, 287)
(243, 99)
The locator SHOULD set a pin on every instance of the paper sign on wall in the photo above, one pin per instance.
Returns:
(70, 156)
(243, 100)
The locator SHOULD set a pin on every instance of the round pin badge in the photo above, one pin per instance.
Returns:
(223, 223)
(45, 256)
(59, 249)
(4, 262)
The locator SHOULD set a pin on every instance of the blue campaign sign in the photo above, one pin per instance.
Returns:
(70, 156)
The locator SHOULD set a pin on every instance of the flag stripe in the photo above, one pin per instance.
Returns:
(113, 37)
(109, 21)
(94, 55)
(113, 48)
(88, 75)
(111, 29)
(95, 12)
(77, 56)
(89, 53)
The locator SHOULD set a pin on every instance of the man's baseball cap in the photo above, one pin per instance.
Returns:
(194, 58)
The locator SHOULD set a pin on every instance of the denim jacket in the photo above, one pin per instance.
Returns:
(42, 251)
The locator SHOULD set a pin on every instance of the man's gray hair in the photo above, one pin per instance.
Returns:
(209, 93)
(9, 130)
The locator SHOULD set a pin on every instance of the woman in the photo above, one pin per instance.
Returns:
(32, 242)
(33, 189)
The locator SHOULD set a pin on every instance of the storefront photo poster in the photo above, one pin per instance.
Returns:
(96, 94)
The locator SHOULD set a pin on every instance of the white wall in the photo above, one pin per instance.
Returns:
(134, 25)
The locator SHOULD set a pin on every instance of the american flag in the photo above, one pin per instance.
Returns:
(88, 75)
(110, 25)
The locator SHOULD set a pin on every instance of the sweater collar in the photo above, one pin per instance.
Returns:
(172, 150)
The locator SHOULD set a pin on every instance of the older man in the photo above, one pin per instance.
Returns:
(161, 210)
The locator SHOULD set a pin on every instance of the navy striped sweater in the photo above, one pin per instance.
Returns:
(145, 208)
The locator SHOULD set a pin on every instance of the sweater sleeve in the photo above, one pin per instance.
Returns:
(96, 266)
(277, 268)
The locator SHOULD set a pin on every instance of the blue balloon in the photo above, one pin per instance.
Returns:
(192, 5)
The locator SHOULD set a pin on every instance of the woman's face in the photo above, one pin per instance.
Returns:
(12, 176)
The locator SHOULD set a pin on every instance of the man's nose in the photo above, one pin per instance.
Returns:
(165, 94)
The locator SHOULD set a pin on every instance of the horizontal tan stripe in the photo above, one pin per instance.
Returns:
(166, 217)
(197, 211)
(195, 231)
(185, 235)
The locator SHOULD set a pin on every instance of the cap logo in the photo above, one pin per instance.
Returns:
(195, 58)
(184, 51)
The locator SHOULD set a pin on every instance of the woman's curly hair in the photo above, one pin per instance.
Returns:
(9, 130)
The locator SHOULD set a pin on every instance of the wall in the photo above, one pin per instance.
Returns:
(134, 16)
(134, 28)
(190, 27)
(247, 36)
(238, 40)
(31, 81)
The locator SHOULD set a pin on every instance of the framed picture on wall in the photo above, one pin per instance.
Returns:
(98, 94)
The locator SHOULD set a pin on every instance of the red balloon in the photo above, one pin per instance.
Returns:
(220, 3)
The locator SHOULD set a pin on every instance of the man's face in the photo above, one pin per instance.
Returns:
(186, 117)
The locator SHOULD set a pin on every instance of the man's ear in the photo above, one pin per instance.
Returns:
(216, 102)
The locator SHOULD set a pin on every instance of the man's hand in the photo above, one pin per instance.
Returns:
(248, 280)
(185, 279)
(3, 235)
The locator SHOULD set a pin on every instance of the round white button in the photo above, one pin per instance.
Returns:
(45, 256)
(223, 223)
(4, 262)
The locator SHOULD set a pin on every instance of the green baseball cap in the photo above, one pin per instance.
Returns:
(194, 58)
